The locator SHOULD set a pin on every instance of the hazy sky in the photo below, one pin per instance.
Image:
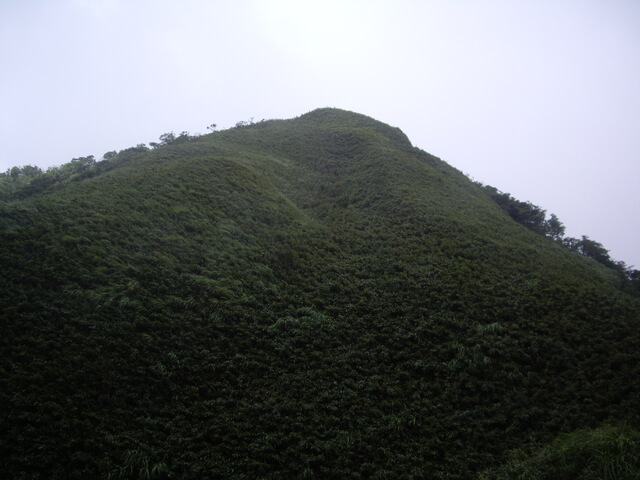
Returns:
(538, 98)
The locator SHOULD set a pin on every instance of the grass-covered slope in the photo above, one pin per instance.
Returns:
(296, 298)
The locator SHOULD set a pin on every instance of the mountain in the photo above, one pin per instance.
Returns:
(303, 298)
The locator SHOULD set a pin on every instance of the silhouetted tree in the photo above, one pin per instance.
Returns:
(595, 250)
(571, 243)
(167, 138)
(554, 228)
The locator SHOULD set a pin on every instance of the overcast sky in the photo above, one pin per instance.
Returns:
(538, 98)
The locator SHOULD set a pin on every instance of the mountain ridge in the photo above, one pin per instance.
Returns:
(290, 298)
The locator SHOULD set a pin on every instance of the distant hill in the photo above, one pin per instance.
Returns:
(304, 298)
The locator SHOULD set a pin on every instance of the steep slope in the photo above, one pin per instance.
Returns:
(305, 297)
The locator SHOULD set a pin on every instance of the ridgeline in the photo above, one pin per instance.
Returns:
(304, 298)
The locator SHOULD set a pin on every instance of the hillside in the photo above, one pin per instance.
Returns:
(304, 298)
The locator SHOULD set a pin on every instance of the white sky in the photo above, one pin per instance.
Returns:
(539, 98)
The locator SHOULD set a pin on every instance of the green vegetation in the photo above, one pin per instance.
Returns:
(534, 218)
(607, 453)
(305, 298)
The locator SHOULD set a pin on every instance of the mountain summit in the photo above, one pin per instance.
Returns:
(304, 298)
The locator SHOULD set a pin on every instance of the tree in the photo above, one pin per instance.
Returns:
(633, 286)
(212, 127)
(592, 249)
(30, 171)
(525, 213)
(167, 138)
(81, 164)
(554, 228)
(170, 138)
(571, 243)
(183, 137)
(528, 214)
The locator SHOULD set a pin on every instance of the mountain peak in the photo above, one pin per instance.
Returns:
(336, 118)
(304, 297)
